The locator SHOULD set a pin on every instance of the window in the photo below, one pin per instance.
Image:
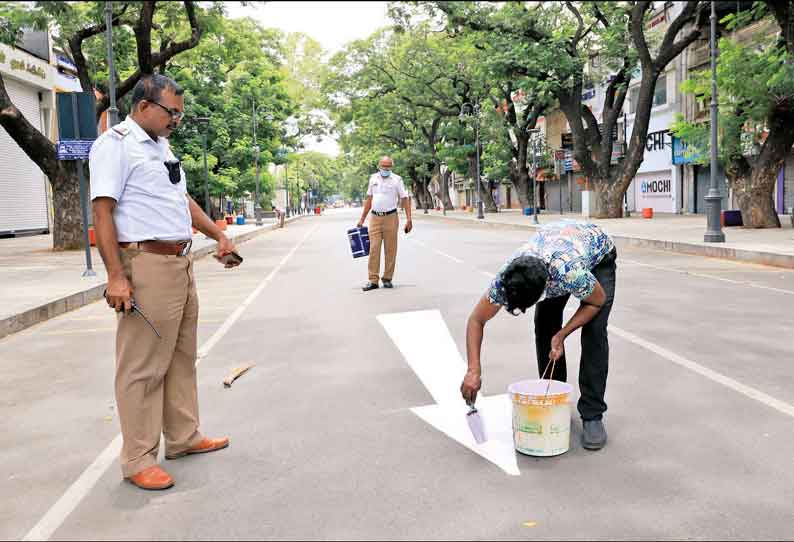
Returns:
(659, 95)
(660, 92)
(634, 96)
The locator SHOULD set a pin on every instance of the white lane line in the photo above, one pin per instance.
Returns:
(705, 276)
(425, 342)
(449, 256)
(64, 506)
(714, 376)
(752, 393)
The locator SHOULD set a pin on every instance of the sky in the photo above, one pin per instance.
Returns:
(332, 24)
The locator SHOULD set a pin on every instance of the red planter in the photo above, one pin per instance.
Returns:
(647, 212)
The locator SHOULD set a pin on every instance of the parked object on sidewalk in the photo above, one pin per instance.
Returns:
(91, 236)
(731, 218)
(240, 220)
(529, 211)
(647, 212)
(541, 417)
(229, 219)
(359, 241)
(236, 373)
(475, 425)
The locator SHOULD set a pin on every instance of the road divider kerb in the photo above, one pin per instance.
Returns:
(710, 251)
(21, 321)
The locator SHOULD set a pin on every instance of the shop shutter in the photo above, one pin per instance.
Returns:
(788, 185)
(23, 194)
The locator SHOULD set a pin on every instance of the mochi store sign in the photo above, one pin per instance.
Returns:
(656, 188)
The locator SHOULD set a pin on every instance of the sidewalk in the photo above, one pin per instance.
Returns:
(677, 233)
(39, 284)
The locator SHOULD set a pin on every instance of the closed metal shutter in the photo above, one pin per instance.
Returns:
(23, 193)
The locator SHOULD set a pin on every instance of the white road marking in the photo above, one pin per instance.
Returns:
(706, 276)
(453, 258)
(427, 346)
(64, 506)
(752, 393)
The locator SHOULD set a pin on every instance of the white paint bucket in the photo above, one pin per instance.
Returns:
(541, 418)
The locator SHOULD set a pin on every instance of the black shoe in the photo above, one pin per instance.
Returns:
(594, 434)
(387, 284)
(370, 286)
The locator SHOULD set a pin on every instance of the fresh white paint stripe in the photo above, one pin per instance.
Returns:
(706, 276)
(496, 414)
(714, 376)
(427, 346)
(64, 506)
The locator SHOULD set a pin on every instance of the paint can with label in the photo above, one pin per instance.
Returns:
(541, 417)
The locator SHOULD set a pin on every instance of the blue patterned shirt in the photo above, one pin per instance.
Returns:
(571, 249)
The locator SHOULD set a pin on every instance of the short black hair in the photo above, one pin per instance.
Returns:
(524, 280)
(151, 87)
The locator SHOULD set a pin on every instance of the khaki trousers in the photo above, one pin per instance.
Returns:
(382, 229)
(156, 378)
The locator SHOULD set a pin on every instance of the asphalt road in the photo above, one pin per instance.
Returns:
(325, 444)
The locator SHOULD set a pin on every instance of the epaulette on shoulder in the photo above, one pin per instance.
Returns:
(120, 131)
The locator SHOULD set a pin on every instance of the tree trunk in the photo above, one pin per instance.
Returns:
(755, 196)
(443, 183)
(519, 177)
(607, 199)
(487, 198)
(67, 231)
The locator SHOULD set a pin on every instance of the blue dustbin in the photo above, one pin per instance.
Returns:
(528, 211)
(240, 220)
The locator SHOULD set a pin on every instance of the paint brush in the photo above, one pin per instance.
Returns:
(475, 424)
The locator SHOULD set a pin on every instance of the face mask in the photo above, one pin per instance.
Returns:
(385, 172)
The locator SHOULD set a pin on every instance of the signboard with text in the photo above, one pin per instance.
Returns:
(73, 149)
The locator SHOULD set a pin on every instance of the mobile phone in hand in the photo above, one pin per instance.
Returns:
(231, 258)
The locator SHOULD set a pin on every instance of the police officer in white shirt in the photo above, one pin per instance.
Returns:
(143, 217)
(385, 193)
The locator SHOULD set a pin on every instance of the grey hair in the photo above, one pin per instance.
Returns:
(151, 87)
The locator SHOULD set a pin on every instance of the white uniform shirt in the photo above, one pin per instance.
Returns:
(129, 166)
(386, 192)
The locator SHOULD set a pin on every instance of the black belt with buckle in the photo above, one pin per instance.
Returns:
(378, 213)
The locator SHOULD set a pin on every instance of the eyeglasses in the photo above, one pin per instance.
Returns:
(176, 115)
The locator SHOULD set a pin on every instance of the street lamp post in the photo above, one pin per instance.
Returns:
(713, 199)
(533, 145)
(113, 112)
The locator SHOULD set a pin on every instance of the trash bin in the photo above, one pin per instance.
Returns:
(229, 219)
(240, 220)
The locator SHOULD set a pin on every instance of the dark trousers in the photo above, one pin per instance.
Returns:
(594, 363)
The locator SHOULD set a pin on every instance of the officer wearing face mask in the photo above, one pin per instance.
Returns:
(386, 192)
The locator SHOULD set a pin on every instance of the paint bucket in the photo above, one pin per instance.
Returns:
(541, 420)
(647, 212)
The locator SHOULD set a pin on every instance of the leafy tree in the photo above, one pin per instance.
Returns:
(755, 121)
(160, 30)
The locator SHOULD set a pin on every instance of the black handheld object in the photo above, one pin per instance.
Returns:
(232, 258)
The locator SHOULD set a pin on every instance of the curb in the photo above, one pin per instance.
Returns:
(18, 322)
(736, 254)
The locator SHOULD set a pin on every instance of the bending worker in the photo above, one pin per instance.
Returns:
(563, 259)
(385, 193)
(143, 216)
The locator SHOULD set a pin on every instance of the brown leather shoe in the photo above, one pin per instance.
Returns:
(153, 478)
(203, 447)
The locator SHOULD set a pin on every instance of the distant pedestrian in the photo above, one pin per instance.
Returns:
(386, 192)
(564, 258)
(143, 217)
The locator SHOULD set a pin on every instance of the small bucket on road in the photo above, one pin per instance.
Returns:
(541, 417)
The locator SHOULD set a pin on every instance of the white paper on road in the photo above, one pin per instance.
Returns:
(425, 342)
